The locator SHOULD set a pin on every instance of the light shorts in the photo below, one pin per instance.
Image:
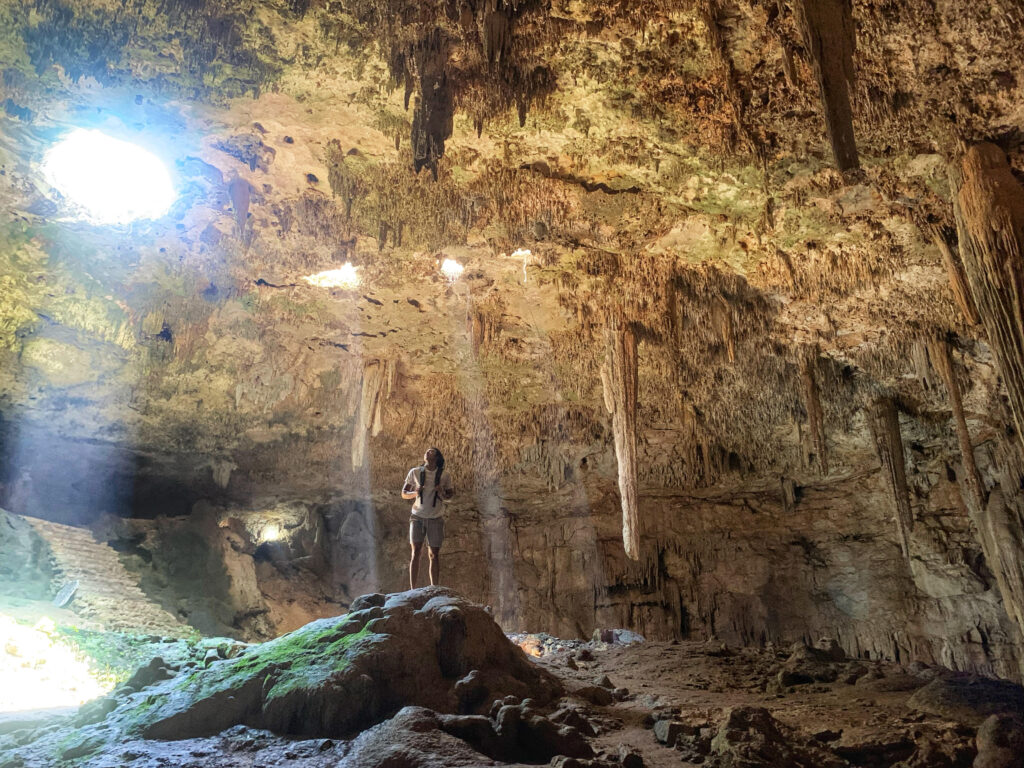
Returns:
(430, 528)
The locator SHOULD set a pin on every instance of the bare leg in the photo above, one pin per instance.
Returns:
(435, 565)
(414, 564)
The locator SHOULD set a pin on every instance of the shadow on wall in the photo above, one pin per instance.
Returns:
(76, 482)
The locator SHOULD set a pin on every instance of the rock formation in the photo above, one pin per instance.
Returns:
(780, 242)
(331, 693)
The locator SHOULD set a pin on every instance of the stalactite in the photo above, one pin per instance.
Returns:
(885, 428)
(378, 379)
(620, 390)
(942, 360)
(815, 414)
(1001, 530)
(721, 313)
(787, 487)
(828, 32)
(957, 280)
(989, 207)
(988, 204)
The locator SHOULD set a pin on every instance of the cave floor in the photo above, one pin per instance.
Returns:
(695, 683)
(869, 722)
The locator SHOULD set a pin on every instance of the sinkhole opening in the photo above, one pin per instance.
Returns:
(108, 180)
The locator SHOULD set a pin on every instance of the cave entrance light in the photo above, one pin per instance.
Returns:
(39, 671)
(109, 180)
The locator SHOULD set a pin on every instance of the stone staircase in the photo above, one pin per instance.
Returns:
(107, 593)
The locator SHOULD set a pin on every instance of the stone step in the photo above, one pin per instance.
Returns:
(106, 592)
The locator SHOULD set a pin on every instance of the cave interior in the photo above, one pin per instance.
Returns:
(715, 309)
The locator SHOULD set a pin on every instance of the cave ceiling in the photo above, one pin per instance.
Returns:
(661, 167)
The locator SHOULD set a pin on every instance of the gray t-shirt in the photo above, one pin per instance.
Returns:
(431, 507)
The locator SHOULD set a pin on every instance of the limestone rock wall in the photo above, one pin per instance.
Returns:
(758, 191)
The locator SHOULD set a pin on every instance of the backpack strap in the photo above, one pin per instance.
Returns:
(437, 484)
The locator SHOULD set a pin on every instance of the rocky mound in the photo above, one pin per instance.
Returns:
(427, 648)
(332, 677)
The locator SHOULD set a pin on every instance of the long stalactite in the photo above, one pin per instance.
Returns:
(957, 279)
(999, 517)
(989, 207)
(942, 360)
(828, 32)
(815, 414)
(988, 203)
(378, 379)
(885, 427)
(619, 380)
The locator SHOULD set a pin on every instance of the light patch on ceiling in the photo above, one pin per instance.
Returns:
(347, 276)
(271, 532)
(108, 180)
(451, 269)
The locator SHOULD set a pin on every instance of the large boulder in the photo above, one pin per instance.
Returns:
(968, 698)
(1001, 742)
(428, 648)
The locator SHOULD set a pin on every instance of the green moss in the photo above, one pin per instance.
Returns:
(112, 656)
(13, 52)
(804, 222)
(296, 660)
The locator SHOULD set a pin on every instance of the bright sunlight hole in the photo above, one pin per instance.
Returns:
(111, 181)
(345, 277)
(451, 269)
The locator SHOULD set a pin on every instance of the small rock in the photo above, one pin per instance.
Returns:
(81, 747)
(376, 600)
(568, 715)
(584, 654)
(600, 697)
(872, 674)
(620, 694)
(668, 731)
(630, 758)
(324, 745)
(828, 735)
(604, 682)
(152, 672)
(570, 662)
(853, 672)
(95, 710)
(211, 656)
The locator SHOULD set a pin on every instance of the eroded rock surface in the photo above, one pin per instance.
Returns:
(699, 703)
(801, 215)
